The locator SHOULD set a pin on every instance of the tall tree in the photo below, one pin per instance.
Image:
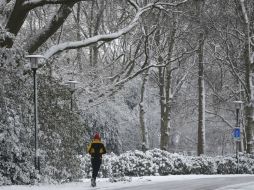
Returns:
(79, 51)
(201, 87)
(249, 71)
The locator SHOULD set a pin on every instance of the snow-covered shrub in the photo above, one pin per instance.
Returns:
(162, 162)
(181, 166)
(86, 165)
(158, 162)
(246, 164)
(226, 165)
(202, 165)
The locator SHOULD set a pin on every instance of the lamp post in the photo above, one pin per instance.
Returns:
(237, 131)
(72, 85)
(72, 88)
(34, 66)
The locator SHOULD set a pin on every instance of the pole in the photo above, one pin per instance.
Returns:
(72, 100)
(237, 142)
(36, 161)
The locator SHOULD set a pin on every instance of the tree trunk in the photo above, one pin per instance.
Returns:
(201, 87)
(144, 131)
(14, 23)
(168, 85)
(165, 90)
(249, 71)
(56, 22)
(91, 24)
(97, 23)
(249, 108)
(161, 71)
(249, 128)
(201, 98)
(79, 38)
(163, 143)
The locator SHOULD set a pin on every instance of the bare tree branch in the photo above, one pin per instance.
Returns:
(87, 42)
(106, 37)
(222, 118)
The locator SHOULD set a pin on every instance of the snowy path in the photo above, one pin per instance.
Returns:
(178, 182)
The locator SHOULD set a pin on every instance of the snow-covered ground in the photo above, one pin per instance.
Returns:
(103, 183)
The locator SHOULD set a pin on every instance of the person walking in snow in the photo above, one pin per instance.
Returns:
(96, 148)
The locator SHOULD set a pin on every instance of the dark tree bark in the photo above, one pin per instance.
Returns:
(15, 22)
(55, 23)
(19, 13)
(201, 86)
(201, 97)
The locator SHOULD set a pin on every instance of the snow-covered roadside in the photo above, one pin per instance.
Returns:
(242, 186)
(103, 183)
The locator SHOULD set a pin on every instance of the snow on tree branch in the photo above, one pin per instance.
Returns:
(244, 11)
(6, 8)
(119, 84)
(105, 37)
(56, 22)
(35, 3)
(87, 42)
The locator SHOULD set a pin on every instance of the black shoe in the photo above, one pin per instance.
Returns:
(93, 183)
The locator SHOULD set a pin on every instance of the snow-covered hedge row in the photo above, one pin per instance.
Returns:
(158, 162)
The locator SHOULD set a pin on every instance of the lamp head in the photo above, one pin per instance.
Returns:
(34, 60)
(238, 104)
(72, 85)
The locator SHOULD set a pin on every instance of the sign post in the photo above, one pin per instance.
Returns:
(237, 138)
(237, 133)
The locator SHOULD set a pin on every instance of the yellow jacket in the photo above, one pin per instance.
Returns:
(96, 148)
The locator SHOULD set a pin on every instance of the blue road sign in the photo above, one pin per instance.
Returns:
(237, 133)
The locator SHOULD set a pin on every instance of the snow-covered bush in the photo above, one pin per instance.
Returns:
(226, 165)
(246, 164)
(58, 150)
(202, 165)
(158, 162)
(16, 165)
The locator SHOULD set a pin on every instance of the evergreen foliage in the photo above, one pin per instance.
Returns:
(60, 130)
(15, 120)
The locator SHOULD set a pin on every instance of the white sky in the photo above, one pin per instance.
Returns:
(103, 183)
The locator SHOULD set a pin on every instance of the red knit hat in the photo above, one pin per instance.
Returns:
(97, 136)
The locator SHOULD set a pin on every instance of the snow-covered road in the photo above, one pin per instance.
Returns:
(176, 182)
(196, 184)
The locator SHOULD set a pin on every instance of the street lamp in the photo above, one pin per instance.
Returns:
(72, 85)
(34, 66)
(237, 131)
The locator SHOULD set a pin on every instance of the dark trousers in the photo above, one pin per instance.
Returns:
(96, 163)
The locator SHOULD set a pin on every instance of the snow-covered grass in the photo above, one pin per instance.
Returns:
(159, 163)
